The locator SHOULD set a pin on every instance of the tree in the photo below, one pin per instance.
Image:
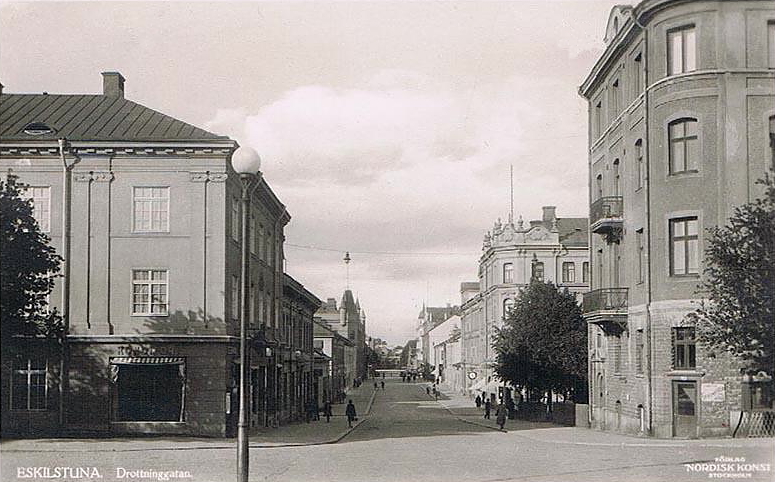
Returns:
(28, 265)
(543, 343)
(737, 313)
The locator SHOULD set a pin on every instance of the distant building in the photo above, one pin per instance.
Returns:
(333, 375)
(548, 249)
(428, 319)
(682, 124)
(349, 320)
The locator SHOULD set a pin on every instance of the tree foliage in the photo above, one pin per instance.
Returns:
(28, 265)
(543, 342)
(737, 313)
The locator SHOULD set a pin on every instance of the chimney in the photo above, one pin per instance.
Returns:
(549, 214)
(113, 84)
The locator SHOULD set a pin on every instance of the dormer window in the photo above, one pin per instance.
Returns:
(37, 129)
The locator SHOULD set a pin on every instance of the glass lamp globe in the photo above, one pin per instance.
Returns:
(246, 160)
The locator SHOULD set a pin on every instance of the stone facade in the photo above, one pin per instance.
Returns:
(681, 109)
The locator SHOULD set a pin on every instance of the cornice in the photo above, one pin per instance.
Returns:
(152, 339)
(116, 149)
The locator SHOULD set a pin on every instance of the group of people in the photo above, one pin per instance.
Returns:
(378, 385)
(408, 376)
(502, 411)
(313, 411)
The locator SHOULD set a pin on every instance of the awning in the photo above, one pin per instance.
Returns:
(148, 360)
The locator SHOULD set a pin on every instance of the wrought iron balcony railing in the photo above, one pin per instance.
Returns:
(605, 299)
(606, 214)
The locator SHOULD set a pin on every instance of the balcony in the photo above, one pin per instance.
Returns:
(606, 308)
(606, 215)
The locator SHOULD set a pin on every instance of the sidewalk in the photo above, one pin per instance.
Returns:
(295, 434)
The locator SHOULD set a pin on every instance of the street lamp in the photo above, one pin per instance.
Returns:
(246, 163)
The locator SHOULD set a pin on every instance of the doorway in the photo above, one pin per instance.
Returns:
(684, 409)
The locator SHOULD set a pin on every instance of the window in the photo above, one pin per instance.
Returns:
(252, 307)
(598, 120)
(260, 240)
(568, 272)
(28, 384)
(252, 233)
(508, 273)
(639, 351)
(269, 250)
(151, 209)
(599, 186)
(617, 177)
(772, 143)
(615, 98)
(641, 255)
(617, 355)
(684, 249)
(317, 344)
(538, 271)
(771, 44)
(149, 292)
(684, 348)
(148, 392)
(235, 297)
(235, 234)
(508, 305)
(641, 165)
(681, 50)
(585, 272)
(41, 205)
(638, 75)
(684, 146)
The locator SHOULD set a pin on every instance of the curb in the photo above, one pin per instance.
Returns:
(472, 422)
(681, 444)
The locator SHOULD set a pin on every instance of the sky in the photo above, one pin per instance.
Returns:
(387, 128)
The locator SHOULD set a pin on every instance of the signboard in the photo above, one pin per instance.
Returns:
(712, 392)
(471, 375)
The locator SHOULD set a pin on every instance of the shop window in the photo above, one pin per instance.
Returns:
(148, 392)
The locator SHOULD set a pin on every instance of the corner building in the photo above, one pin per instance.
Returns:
(681, 116)
(153, 339)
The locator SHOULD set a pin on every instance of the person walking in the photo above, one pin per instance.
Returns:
(478, 401)
(350, 412)
(327, 410)
(487, 408)
(383, 384)
(375, 385)
(500, 415)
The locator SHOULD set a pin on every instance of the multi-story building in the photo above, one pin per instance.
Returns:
(428, 319)
(548, 249)
(154, 284)
(681, 125)
(349, 320)
(334, 346)
(437, 336)
(295, 347)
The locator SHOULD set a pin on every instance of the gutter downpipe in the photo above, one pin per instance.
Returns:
(65, 304)
(649, 361)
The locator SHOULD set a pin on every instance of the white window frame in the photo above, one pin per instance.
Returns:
(29, 372)
(508, 268)
(150, 282)
(684, 241)
(40, 208)
(571, 273)
(680, 34)
(150, 199)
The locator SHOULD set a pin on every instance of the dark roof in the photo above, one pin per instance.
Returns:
(91, 118)
(573, 231)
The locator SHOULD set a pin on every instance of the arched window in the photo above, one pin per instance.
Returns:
(640, 163)
(508, 273)
(617, 178)
(684, 145)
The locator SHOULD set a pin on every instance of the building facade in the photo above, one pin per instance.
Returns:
(349, 320)
(154, 287)
(334, 347)
(428, 319)
(548, 249)
(681, 116)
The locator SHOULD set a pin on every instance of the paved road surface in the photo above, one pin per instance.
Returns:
(409, 437)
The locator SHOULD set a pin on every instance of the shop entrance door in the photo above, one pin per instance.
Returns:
(685, 409)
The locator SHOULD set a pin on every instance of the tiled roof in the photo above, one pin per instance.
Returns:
(91, 118)
(573, 231)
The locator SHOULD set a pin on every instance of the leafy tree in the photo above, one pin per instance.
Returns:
(28, 265)
(737, 313)
(543, 343)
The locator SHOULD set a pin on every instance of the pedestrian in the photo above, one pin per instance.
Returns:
(350, 412)
(327, 410)
(478, 401)
(383, 384)
(487, 408)
(375, 385)
(428, 390)
(500, 415)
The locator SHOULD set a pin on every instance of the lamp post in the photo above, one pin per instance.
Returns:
(246, 163)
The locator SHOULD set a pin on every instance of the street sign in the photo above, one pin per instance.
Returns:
(472, 375)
